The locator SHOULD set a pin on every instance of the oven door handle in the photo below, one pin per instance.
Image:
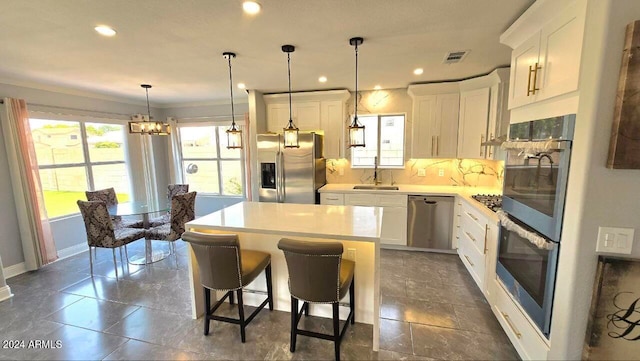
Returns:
(535, 239)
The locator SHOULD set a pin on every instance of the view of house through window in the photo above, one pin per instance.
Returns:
(77, 156)
(384, 138)
(208, 165)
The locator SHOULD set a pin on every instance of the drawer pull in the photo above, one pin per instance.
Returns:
(486, 232)
(513, 328)
(472, 216)
(332, 199)
(469, 260)
(470, 236)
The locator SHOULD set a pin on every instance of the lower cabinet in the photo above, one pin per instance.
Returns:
(394, 230)
(522, 333)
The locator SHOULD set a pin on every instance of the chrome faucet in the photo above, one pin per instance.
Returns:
(376, 181)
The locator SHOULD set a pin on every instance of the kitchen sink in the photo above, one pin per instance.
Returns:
(377, 188)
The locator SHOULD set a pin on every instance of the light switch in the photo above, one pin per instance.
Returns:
(615, 240)
(422, 172)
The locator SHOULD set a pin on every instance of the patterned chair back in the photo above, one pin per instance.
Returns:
(182, 211)
(108, 196)
(97, 223)
(175, 189)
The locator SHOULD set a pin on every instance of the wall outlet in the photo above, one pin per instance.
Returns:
(422, 172)
(351, 254)
(615, 240)
(340, 171)
(440, 172)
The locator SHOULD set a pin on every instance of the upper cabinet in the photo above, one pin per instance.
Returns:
(435, 120)
(322, 111)
(474, 117)
(547, 45)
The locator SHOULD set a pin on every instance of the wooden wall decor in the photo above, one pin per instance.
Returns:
(624, 147)
(613, 331)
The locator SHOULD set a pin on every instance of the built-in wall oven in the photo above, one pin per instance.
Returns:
(537, 162)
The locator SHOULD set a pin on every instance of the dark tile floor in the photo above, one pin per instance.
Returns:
(431, 309)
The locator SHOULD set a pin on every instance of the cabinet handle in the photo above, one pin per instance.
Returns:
(490, 147)
(433, 139)
(470, 236)
(437, 145)
(481, 141)
(472, 216)
(486, 232)
(332, 199)
(532, 90)
(471, 263)
(511, 326)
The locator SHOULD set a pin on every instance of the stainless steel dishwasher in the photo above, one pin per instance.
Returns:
(429, 222)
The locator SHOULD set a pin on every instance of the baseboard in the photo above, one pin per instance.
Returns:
(16, 269)
(5, 293)
(72, 251)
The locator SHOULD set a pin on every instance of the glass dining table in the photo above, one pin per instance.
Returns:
(143, 209)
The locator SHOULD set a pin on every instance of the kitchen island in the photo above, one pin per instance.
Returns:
(260, 226)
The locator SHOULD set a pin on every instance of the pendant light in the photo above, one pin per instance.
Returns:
(356, 130)
(290, 131)
(234, 135)
(147, 126)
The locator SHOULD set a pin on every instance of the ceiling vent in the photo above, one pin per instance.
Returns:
(455, 56)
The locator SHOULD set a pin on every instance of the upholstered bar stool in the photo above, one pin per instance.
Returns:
(318, 274)
(225, 267)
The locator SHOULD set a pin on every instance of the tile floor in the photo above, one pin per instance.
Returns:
(431, 309)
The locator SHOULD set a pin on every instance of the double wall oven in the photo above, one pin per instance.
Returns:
(537, 162)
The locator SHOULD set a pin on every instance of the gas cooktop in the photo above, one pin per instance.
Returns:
(491, 201)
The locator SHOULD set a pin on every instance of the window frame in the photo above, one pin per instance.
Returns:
(217, 124)
(378, 146)
(87, 164)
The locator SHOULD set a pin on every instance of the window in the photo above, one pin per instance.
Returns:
(384, 138)
(75, 156)
(209, 167)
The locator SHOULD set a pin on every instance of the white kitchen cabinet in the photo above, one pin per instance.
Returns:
(394, 230)
(332, 121)
(474, 117)
(547, 63)
(498, 115)
(306, 115)
(335, 199)
(435, 126)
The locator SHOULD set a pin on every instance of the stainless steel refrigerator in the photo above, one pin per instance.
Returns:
(290, 175)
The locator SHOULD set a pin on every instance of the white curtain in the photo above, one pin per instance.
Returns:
(148, 179)
(176, 175)
(35, 231)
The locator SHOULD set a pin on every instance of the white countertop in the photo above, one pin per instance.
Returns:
(304, 220)
(464, 192)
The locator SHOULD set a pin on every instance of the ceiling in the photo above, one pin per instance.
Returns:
(177, 46)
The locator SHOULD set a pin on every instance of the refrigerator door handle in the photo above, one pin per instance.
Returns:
(277, 177)
(283, 194)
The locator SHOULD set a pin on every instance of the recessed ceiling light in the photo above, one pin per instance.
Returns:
(418, 71)
(251, 7)
(241, 85)
(322, 79)
(105, 30)
(377, 87)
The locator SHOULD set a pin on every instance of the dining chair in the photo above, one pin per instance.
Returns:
(172, 190)
(182, 211)
(225, 267)
(318, 274)
(101, 232)
(109, 197)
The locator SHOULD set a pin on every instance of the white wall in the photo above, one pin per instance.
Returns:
(596, 196)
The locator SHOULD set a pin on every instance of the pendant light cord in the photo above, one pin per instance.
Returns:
(355, 118)
(148, 108)
(289, 75)
(233, 114)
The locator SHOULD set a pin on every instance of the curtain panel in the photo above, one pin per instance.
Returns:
(176, 175)
(35, 231)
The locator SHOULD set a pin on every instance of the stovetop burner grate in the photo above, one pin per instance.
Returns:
(491, 201)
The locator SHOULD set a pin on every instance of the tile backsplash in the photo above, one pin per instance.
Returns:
(447, 172)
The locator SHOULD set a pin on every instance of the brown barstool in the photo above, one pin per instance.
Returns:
(224, 267)
(318, 274)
